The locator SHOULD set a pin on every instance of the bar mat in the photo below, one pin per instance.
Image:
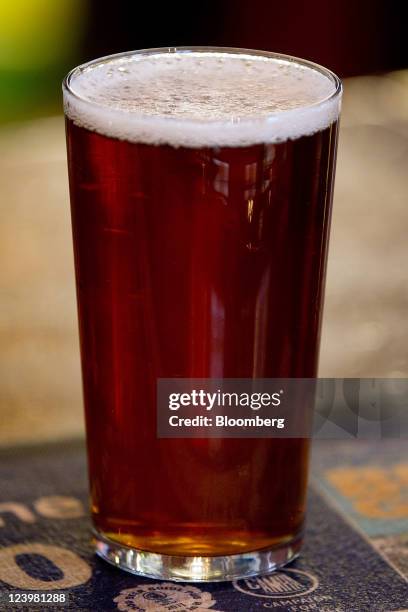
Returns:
(354, 559)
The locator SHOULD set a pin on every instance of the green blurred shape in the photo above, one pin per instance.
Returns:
(39, 41)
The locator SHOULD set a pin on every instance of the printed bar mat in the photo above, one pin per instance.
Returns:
(354, 559)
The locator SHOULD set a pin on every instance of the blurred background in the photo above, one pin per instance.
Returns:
(365, 331)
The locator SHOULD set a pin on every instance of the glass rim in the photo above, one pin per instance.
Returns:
(336, 93)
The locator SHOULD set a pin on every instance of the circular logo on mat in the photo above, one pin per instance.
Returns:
(279, 585)
(163, 596)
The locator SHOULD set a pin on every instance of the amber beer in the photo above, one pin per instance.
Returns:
(201, 186)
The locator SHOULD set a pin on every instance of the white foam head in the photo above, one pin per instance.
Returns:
(200, 98)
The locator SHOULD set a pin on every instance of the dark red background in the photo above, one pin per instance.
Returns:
(351, 37)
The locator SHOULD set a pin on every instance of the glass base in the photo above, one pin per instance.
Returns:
(196, 569)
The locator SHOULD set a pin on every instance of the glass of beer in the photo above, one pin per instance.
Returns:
(201, 186)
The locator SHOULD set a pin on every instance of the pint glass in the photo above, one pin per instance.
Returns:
(201, 186)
